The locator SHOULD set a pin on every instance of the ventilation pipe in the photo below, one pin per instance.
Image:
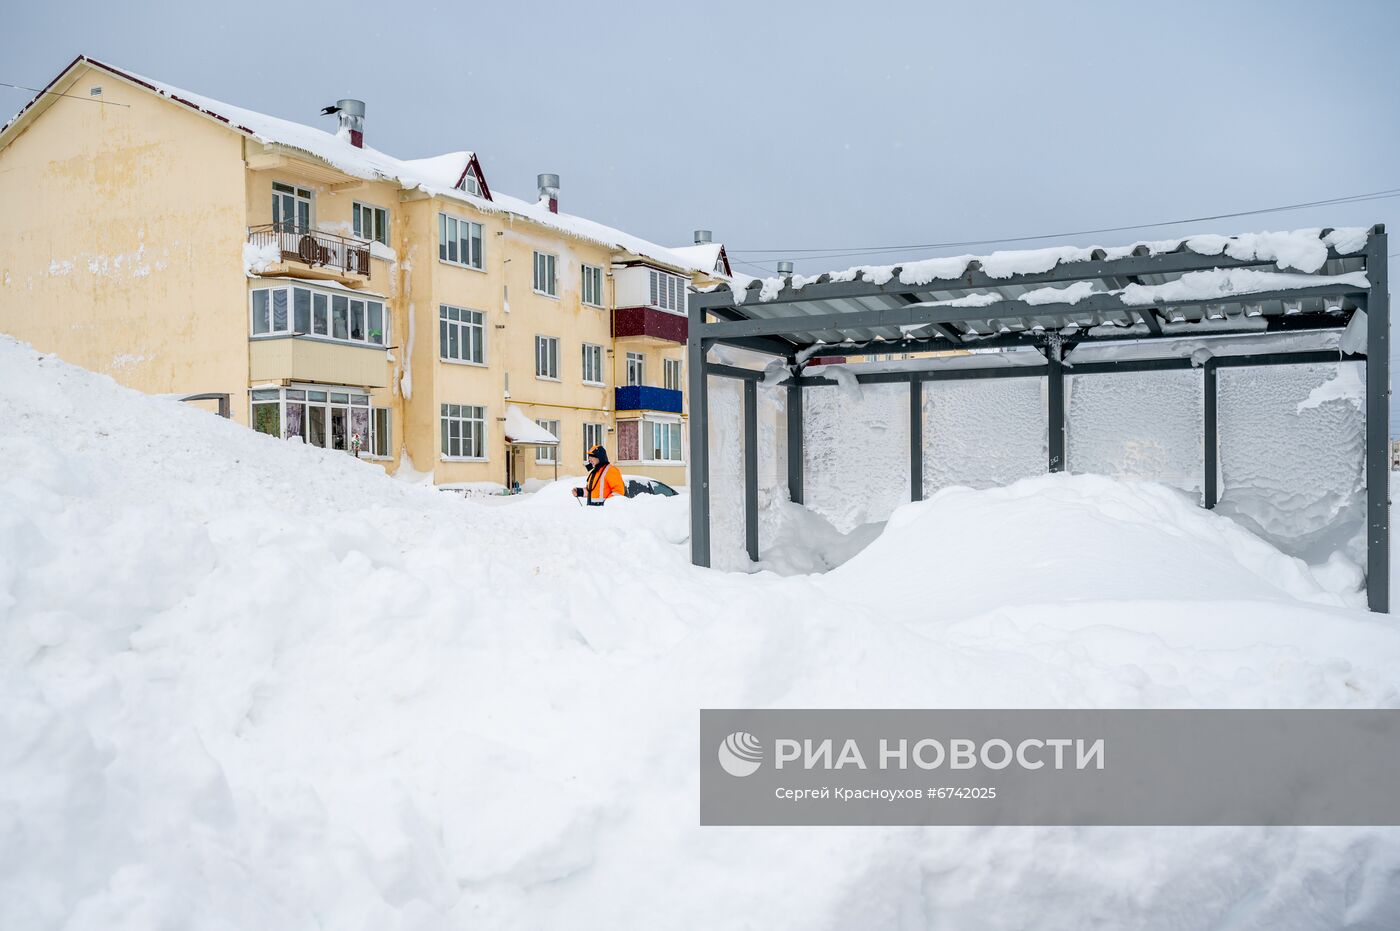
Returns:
(784, 269)
(704, 237)
(549, 190)
(352, 121)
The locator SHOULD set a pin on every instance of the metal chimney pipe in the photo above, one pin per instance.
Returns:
(549, 189)
(352, 120)
(785, 269)
(703, 237)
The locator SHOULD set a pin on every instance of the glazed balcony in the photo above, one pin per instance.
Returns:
(304, 252)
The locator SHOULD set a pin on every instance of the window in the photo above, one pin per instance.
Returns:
(459, 241)
(371, 223)
(547, 357)
(592, 436)
(665, 441)
(291, 207)
(592, 364)
(544, 274)
(548, 453)
(636, 368)
(332, 418)
(593, 285)
(649, 440)
(297, 311)
(463, 431)
(672, 372)
(381, 434)
(470, 183)
(667, 292)
(461, 335)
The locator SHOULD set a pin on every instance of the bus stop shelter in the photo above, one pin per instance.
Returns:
(1255, 300)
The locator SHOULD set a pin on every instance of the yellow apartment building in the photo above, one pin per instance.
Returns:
(396, 309)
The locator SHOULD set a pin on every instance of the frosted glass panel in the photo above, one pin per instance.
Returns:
(1292, 455)
(856, 452)
(1137, 425)
(726, 400)
(983, 432)
(772, 459)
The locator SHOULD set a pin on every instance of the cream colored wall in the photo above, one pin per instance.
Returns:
(122, 249)
(506, 281)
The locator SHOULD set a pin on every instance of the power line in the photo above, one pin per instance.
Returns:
(848, 252)
(38, 90)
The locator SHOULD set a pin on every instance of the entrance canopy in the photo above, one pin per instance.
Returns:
(1202, 302)
(522, 431)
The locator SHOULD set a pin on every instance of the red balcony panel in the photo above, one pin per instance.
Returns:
(648, 321)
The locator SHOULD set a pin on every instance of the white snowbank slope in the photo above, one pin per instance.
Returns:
(246, 684)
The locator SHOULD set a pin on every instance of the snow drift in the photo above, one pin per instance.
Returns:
(250, 684)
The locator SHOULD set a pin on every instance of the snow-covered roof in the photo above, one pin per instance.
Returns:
(705, 254)
(1194, 286)
(437, 175)
(522, 431)
(1304, 250)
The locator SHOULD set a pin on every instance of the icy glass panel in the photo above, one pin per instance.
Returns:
(1145, 425)
(983, 432)
(772, 461)
(855, 449)
(726, 400)
(1292, 456)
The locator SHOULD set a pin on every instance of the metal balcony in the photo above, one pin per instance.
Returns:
(314, 248)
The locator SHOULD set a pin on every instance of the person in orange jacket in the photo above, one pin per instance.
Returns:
(604, 479)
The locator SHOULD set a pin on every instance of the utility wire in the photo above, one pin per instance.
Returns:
(37, 90)
(837, 252)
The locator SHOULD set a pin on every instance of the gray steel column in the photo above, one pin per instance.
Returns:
(1377, 306)
(699, 440)
(751, 469)
(794, 441)
(1056, 379)
(916, 440)
(1210, 493)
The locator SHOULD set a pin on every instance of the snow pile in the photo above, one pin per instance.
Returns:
(252, 684)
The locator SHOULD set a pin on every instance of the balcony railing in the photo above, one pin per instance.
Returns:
(314, 248)
(647, 398)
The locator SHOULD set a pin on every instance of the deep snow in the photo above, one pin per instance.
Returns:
(248, 684)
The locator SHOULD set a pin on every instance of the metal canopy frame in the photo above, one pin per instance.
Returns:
(876, 313)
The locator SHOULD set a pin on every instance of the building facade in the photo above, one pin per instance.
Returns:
(399, 310)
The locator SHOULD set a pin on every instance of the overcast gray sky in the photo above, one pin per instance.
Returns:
(806, 126)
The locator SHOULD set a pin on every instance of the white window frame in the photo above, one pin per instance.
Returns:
(323, 310)
(459, 322)
(547, 358)
(300, 195)
(546, 273)
(647, 426)
(376, 435)
(594, 434)
(547, 455)
(667, 292)
(593, 365)
(592, 287)
(452, 244)
(328, 400)
(364, 216)
(636, 370)
(673, 377)
(470, 420)
(470, 182)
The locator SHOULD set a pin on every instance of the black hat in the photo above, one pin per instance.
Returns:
(599, 453)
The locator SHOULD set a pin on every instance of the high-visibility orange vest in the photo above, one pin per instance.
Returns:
(604, 482)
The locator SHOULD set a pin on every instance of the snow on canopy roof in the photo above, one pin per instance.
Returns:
(522, 431)
(434, 175)
(1305, 250)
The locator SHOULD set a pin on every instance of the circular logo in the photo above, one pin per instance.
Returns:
(740, 753)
